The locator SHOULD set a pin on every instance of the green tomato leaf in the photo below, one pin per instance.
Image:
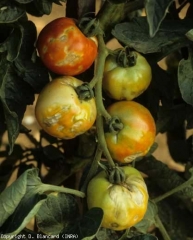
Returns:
(85, 6)
(159, 7)
(145, 237)
(14, 43)
(56, 213)
(170, 118)
(33, 73)
(10, 13)
(165, 178)
(171, 35)
(88, 226)
(12, 195)
(149, 218)
(38, 7)
(28, 40)
(185, 79)
(14, 103)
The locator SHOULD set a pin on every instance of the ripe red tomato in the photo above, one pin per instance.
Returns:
(126, 82)
(125, 204)
(60, 112)
(64, 49)
(137, 135)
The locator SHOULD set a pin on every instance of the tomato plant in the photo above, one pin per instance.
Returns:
(126, 82)
(60, 112)
(105, 119)
(123, 204)
(64, 49)
(136, 136)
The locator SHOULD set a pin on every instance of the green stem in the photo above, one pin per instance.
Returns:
(98, 77)
(100, 61)
(174, 190)
(53, 188)
(93, 168)
(162, 229)
(102, 142)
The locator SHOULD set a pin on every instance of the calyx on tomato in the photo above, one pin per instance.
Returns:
(64, 49)
(124, 204)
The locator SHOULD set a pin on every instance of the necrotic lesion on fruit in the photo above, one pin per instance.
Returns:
(49, 121)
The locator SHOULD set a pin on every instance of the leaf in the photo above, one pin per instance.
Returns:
(14, 103)
(26, 210)
(28, 40)
(171, 35)
(33, 73)
(85, 6)
(12, 195)
(159, 7)
(56, 213)
(88, 226)
(14, 43)
(145, 237)
(170, 118)
(149, 218)
(160, 89)
(165, 178)
(39, 7)
(10, 13)
(185, 80)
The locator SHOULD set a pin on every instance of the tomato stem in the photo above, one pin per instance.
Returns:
(174, 190)
(98, 77)
(100, 61)
(102, 142)
(162, 229)
(53, 188)
(93, 168)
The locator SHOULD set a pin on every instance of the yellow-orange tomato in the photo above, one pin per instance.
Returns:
(126, 83)
(138, 132)
(60, 112)
(64, 49)
(125, 204)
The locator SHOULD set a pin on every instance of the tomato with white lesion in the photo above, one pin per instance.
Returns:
(60, 112)
(124, 204)
(64, 49)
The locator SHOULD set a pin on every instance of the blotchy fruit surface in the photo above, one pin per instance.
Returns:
(64, 49)
(138, 132)
(124, 205)
(126, 83)
(61, 113)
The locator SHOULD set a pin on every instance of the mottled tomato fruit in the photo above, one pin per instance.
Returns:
(64, 49)
(126, 83)
(138, 132)
(60, 112)
(124, 204)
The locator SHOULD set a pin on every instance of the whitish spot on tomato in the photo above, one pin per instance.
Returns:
(63, 38)
(131, 158)
(49, 121)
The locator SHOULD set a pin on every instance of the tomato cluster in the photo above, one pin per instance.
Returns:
(63, 113)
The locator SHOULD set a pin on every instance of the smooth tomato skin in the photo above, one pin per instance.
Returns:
(123, 205)
(64, 49)
(126, 83)
(137, 135)
(60, 112)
